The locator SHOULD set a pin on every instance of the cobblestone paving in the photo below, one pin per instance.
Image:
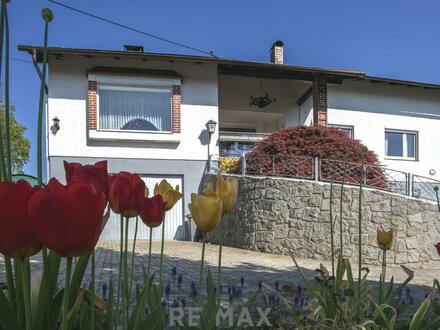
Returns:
(237, 263)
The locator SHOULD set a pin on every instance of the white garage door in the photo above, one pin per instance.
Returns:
(174, 225)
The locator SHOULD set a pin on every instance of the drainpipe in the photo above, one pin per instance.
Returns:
(37, 68)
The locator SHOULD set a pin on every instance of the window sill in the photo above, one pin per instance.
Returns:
(134, 136)
(401, 158)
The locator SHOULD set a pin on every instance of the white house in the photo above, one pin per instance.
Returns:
(146, 113)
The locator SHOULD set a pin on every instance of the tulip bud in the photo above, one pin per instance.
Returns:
(169, 194)
(227, 190)
(437, 246)
(47, 14)
(384, 239)
(206, 211)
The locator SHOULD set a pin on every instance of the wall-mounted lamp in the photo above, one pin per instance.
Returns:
(210, 128)
(56, 125)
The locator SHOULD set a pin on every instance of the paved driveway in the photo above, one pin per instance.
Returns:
(252, 266)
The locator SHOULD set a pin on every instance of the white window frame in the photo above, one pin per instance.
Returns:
(404, 144)
(133, 82)
(133, 88)
(349, 127)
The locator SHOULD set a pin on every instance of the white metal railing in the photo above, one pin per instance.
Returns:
(313, 168)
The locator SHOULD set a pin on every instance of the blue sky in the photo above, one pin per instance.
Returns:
(394, 38)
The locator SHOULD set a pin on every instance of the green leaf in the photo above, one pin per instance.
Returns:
(418, 316)
(47, 309)
(108, 325)
(7, 317)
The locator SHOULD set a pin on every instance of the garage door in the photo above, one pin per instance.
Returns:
(174, 224)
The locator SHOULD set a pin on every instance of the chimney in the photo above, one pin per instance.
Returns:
(134, 48)
(277, 52)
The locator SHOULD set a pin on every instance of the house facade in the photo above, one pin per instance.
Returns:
(146, 113)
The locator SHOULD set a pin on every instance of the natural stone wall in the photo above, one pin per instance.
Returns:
(278, 215)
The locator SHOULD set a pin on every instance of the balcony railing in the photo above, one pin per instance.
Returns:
(310, 168)
(241, 136)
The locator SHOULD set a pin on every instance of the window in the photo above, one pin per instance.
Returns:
(231, 148)
(401, 144)
(349, 130)
(134, 108)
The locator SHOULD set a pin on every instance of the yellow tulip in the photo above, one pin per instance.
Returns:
(169, 194)
(227, 189)
(384, 239)
(206, 211)
(209, 191)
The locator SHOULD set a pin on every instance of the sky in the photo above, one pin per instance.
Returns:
(393, 38)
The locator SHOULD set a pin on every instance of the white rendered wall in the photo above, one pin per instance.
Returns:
(371, 108)
(68, 101)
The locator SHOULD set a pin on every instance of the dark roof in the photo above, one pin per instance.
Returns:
(232, 66)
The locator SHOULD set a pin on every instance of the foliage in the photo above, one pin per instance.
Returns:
(281, 154)
(20, 145)
(227, 164)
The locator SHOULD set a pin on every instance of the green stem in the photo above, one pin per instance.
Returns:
(26, 293)
(360, 227)
(92, 288)
(133, 253)
(382, 280)
(219, 269)
(2, 150)
(121, 245)
(7, 107)
(340, 210)
(201, 268)
(149, 253)
(40, 110)
(125, 295)
(161, 256)
(21, 315)
(332, 239)
(10, 281)
(65, 307)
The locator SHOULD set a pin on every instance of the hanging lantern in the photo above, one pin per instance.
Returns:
(262, 99)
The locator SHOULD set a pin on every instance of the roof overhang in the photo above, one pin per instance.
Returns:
(233, 67)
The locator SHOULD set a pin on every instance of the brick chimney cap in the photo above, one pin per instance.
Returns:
(277, 43)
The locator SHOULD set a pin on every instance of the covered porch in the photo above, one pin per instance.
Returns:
(242, 124)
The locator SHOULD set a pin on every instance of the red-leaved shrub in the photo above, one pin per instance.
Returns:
(290, 152)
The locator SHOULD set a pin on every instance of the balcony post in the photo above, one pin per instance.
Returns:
(410, 188)
(316, 168)
(243, 164)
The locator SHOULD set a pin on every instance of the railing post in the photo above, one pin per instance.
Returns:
(243, 164)
(410, 185)
(273, 165)
(316, 168)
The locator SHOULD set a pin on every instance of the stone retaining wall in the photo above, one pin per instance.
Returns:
(278, 215)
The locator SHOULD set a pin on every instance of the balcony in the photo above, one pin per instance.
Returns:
(235, 143)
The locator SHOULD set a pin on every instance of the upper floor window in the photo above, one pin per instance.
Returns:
(349, 130)
(124, 108)
(401, 144)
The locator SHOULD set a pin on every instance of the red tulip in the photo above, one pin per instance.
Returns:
(68, 219)
(153, 211)
(95, 174)
(126, 193)
(17, 237)
(437, 246)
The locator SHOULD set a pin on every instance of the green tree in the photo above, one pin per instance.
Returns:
(20, 145)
